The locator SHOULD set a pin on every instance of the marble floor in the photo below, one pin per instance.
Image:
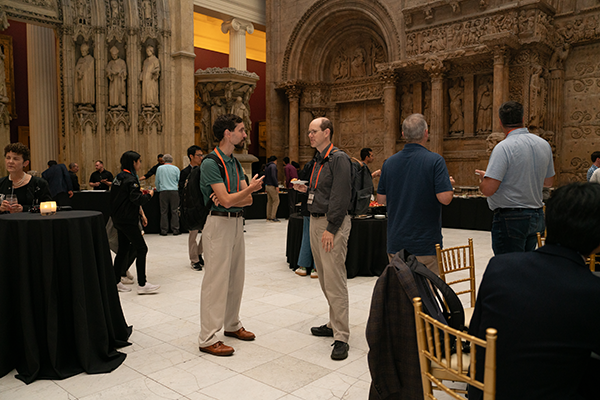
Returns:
(284, 362)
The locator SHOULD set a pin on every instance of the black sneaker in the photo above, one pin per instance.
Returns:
(322, 330)
(200, 260)
(340, 350)
(197, 266)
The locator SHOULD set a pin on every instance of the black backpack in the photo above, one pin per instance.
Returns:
(194, 210)
(362, 188)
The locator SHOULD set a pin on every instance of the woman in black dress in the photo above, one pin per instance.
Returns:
(126, 201)
(27, 188)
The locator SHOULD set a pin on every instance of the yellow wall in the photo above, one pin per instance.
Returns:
(208, 35)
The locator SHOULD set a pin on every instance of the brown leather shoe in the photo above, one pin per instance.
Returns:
(241, 334)
(218, 349)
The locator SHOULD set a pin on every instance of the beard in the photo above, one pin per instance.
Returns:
(240, 145)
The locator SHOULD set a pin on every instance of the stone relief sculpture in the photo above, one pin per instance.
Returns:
(149, 77)
(406, 102)
(85, 82)
(456, 107)
(340, 67)
(238, 108)
(358, 63)
(116, 72)
(557, 61)
(114, 9)
(216, 110)
(492, 140)
(484, 108)
(536, 100)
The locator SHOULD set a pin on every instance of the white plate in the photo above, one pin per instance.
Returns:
(379, 216)
(299, 182)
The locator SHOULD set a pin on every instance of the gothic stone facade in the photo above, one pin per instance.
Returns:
(366, 64)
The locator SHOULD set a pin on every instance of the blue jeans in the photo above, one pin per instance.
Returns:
(305, 258)
(515, 230)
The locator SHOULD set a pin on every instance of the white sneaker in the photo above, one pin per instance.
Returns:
(126, 280)
(147, 288)
(314, 274)
(128, 274)
(122, 288)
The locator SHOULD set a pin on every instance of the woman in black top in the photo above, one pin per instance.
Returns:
(126, 201)
(27, 188)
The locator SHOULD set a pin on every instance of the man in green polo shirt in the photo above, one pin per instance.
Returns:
(223, 239)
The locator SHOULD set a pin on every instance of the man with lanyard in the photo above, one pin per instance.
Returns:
(519, 168)
(329, 196)
(223, 238)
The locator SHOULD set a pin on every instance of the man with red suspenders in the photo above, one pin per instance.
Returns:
(223, 238)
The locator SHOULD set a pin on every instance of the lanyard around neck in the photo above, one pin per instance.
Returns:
(227, 173)
(314, 165)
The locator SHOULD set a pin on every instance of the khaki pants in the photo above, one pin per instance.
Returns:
(194, 248)
(272, 201)
(224, 273)
(429, 261)
(332, 274)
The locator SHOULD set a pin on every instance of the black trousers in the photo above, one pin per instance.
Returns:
(130, 240)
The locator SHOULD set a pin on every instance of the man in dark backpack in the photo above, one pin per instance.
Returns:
(223, 238)
(194, 153)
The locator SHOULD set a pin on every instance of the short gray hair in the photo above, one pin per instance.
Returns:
(167, 158)
(414, 127)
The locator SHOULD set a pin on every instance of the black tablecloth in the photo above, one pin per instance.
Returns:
(60, 312)
(95, 200)
(470, 213)
(367, 244)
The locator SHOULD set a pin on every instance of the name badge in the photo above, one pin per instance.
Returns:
(311, 197)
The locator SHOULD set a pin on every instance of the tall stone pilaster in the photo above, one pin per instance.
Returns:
(182, 47)
(237, 29)
(293, 94)
(436, 69)
(556, 95)
(390, 113)
(499, 96)
(43, 95)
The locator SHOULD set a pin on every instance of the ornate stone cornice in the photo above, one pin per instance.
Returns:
(183, 54)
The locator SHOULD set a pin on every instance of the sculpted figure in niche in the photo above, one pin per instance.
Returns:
(114, 6)
(484, 108)
(456, 107)
(85, 84)
(406, 102)
(557, 61)
(216, 110)
(239, 108)
(427, 103)
(535, 96)
(3, 91)
(358, 63)
(377, 57)
(116, 72)
(149, 78)
(340, 67)
(147, 9)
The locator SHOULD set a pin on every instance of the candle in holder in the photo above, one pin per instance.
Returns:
(48, 208)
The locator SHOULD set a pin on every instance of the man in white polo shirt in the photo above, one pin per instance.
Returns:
(519, 168)
(167, 182)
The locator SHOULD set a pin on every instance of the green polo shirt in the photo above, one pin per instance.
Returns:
(210, 174)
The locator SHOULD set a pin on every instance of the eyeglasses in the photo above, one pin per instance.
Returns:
(313, 131)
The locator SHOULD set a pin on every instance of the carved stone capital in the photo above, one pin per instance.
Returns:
(237, 26)
(293, 92)
(84, 118)
(389, 77)
(501, 53)
(318, 112)
(435, 67)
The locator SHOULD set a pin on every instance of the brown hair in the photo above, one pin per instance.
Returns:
(17, 148)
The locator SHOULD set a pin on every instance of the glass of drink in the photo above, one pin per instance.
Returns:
(12, 200)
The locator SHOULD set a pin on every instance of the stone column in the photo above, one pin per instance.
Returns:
(554, 115)
(43, 96)
(390, 113)
(293, 94)
(182, 46)
(436, 69)
(237, 29)
(500, 55)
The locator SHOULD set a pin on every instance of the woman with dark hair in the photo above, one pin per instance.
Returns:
(27, 189)
(126, 202)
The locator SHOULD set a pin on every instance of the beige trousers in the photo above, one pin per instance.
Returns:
(224, 273)
(429, 261)
(272, 201)
(194, 247)
(332, 274)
